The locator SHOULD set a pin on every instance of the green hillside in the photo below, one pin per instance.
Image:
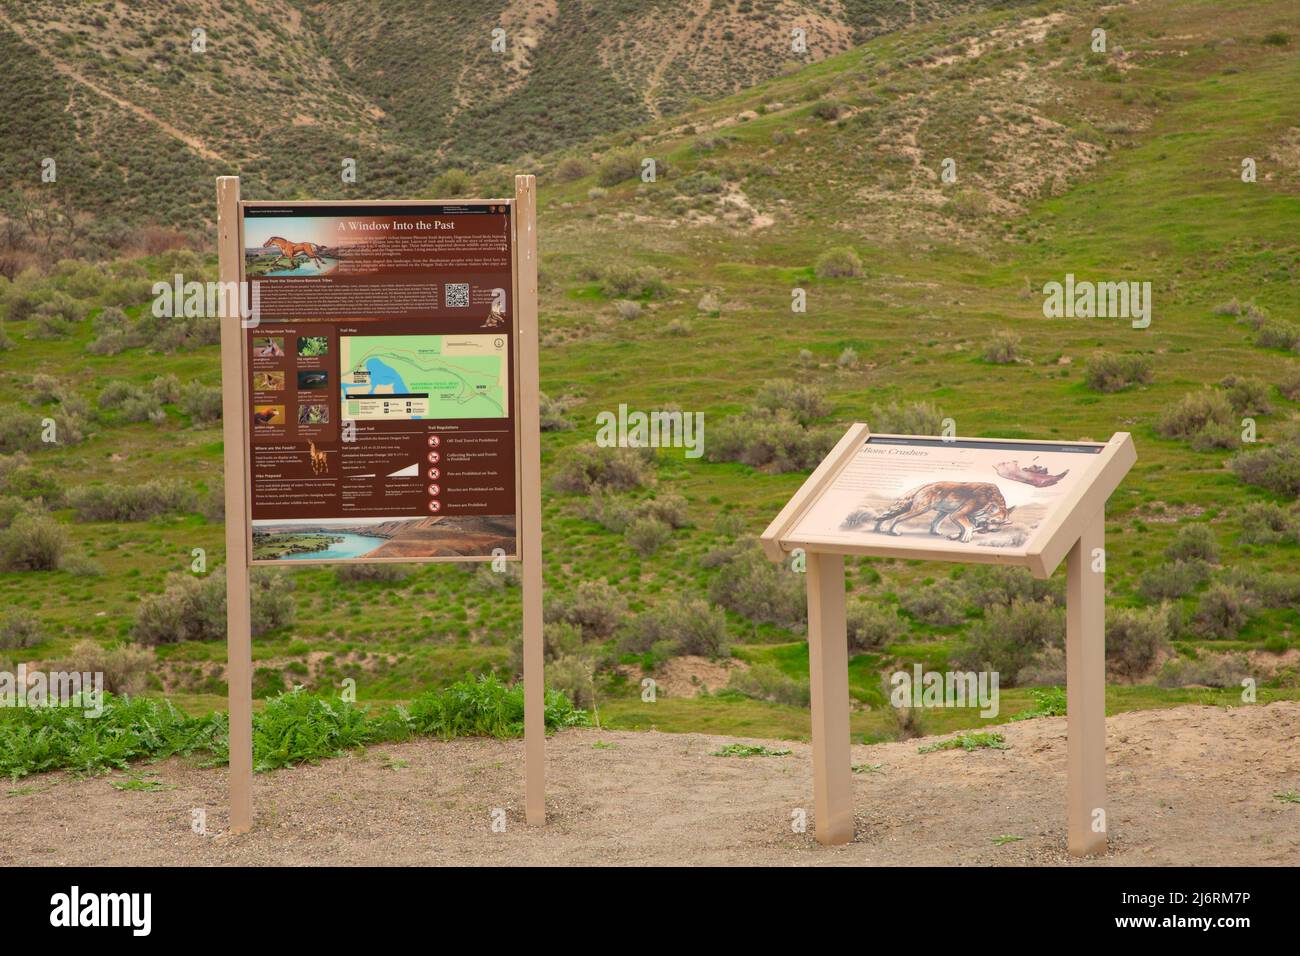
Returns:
(924, 301)
(140, 116)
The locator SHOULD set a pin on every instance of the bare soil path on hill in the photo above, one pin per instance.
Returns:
(1189, 785)
(193, 142)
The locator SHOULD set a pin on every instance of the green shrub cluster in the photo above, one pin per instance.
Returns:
(293, 728)
(143, 502)
(1108, 372)
(193, 608)
(587, 468)
(688, 626)
(749, 584)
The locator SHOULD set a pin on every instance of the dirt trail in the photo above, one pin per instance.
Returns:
(1191, 785)
(193, 142)
(673, 50)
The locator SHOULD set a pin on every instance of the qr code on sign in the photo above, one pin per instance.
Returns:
(457, 295)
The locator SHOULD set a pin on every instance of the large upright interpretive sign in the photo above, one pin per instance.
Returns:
(380, 403)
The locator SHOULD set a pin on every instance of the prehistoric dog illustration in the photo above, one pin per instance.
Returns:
(972, 505)
(1031, 474)
(291, 250)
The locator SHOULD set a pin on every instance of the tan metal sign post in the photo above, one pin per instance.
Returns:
(380, 394)
(1024, 503)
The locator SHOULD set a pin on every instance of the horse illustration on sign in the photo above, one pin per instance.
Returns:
(291, 250)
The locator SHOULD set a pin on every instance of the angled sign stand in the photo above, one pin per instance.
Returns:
(1024, 503)
(380, 400)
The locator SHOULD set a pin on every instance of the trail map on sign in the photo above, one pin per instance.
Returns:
(423, 376)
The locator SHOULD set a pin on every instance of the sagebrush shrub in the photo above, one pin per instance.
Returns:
(192, 608)
(632, 282)
(19, 629)
(1194, 542)
(126, 667)
(572, 168)
(1135, 639)
(618, 166)
(749, 584)
(1009, 638)
(453, 182)
(142, 502)
(574, 676)
(907, 418)
(628, 309)
(32, 542)
(20, 480)
(1169, 581)
(872, 627)
(690, 626)
(1289, 385)
(646, 535)
(201, 402)
(1278, 335)
(1269, 589)
(827, 110)
(362, 573)
(1194, 412)
(839, 262)
(804, 401)
(993, 585)
(1216, 435)
(43, 390)
(1276, 468)
(763, 438)
(116, 392)
(1108, 372)
(616, 513)
(943, 604)
(1207, 670)
(1224, 610)
(589, 467)
(1003, 347)
(596, 607)
(769, 683)
(1248, 396)
(551, 413)
(1263, 522)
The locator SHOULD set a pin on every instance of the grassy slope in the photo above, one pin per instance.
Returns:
(1164, 204)
(282, 92)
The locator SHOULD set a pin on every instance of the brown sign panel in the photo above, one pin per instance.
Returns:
(381, 380)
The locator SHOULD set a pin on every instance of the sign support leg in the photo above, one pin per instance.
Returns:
(239, 641)
(1085, 677)
(828, 662)
(530, 471)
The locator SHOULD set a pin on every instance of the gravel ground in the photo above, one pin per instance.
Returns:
(1190, 785)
